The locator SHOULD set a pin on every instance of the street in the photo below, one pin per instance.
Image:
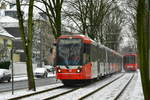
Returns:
(22, 84)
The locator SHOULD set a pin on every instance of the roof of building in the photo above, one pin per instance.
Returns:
(36, 11)
(7, 21)
(4, 33)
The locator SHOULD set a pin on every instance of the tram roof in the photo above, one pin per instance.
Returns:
(88, 40)
(85, 38)
(130, 54)
(111, 50)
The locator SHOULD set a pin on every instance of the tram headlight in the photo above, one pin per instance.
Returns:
(78, 70)
(59, 70)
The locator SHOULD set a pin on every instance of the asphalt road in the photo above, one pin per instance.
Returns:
(5, 86)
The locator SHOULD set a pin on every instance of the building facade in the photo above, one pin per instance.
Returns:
(6, 44)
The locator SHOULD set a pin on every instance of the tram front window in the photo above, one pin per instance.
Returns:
(69, 52)
(129, 60)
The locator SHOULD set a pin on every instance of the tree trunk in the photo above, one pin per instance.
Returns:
(27, 42)
(31, 81)
(143, 47)
(58, 17)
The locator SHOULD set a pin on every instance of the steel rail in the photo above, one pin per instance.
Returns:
(89, 94)
(27, 95)
(129, 81)
(58, 95)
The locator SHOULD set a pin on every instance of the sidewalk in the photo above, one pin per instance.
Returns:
(9, 95)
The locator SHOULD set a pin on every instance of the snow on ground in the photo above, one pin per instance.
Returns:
(112, 90)
(85, 90)
(8, 95)
(44, 95)
(129, 90)
(136, 93)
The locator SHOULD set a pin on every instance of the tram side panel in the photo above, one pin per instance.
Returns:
(102, 58)
(87, 61)
(94, 62)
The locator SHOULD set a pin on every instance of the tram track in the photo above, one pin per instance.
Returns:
(113, 96)
(55, 93)
(28, 95)
(121, 92)
(58, 95)
(98, 89)
(61, 95)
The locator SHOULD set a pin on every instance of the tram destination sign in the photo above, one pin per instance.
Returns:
(69, 41)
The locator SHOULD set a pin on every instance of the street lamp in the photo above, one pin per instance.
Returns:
(12, 67)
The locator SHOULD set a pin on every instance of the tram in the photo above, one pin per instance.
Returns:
(130, 62)
(80, 59)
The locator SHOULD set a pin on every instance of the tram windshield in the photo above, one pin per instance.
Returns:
(129, 60)
(69, 52)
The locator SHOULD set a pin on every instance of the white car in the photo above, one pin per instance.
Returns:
(41, 72)
(50, 68)
(5, 75)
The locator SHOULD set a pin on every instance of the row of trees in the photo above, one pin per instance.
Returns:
(96, 18)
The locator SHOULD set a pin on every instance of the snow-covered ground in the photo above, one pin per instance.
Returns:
(137, 93)
(112, 90)
(133, 91)
(8, 95)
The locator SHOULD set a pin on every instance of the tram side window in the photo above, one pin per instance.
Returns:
(109, 57)
(93, 53)
(98, 53)
(86, 53)
(101, 54)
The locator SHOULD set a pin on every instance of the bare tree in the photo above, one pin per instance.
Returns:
(131, 11)
(90, 16)
(42, 41)
(27, 41)
(53, 11)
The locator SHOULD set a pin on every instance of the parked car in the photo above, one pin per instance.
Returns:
(5, 75)
(41, 72)
(50, 68)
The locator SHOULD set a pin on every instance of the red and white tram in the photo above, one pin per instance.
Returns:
(79, 59)
(130, 62)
